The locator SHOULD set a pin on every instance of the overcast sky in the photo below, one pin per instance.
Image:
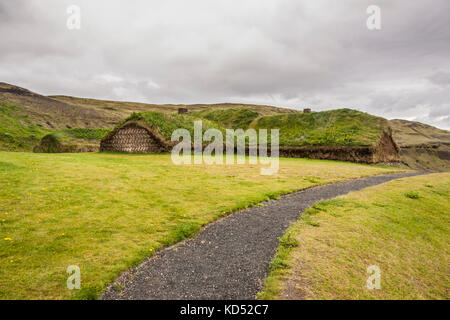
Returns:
(287, 53)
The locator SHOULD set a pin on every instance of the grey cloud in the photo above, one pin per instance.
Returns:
(286, 53)
(440, 78)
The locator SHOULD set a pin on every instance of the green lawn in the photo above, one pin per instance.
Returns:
(107, 212)
(403, 227)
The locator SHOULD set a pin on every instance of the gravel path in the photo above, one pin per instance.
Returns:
(229, 258)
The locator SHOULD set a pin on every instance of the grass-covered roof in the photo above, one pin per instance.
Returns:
(342, 127)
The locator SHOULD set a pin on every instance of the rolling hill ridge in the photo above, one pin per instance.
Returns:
(26, 117)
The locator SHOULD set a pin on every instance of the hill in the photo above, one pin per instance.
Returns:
(27, 116)
(409, 133)
(121, 109)
(53, 114)
(17, 132)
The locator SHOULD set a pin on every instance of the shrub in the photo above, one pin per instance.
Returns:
(412, 195)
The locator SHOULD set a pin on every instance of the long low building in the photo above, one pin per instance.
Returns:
(343, 134)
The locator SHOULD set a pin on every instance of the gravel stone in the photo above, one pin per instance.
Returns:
(229, 259)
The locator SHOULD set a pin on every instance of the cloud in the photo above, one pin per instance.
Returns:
(316, 54)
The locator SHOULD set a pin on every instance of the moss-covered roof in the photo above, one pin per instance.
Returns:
(235, 118)
(166, 123)
(342, 127)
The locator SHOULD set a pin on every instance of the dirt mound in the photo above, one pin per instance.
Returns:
(123, 109)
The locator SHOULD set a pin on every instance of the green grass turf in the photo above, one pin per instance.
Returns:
(107, 212)
(402, 226)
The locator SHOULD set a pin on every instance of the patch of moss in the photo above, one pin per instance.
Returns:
(166, 123)
(342, 127)
(235, 118)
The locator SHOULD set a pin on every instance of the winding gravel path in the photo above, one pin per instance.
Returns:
(229, 258)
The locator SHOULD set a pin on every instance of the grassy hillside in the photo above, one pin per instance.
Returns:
(401, 226)
(52, 114)
(122, 109)
(72, 140)
(17, 133)
(39, 114)
(342, 127)
(108, 212)
(234, 118)
(64, 112)
(408, 133)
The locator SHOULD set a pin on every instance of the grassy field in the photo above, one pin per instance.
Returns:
(107, 212)
(403, 227)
